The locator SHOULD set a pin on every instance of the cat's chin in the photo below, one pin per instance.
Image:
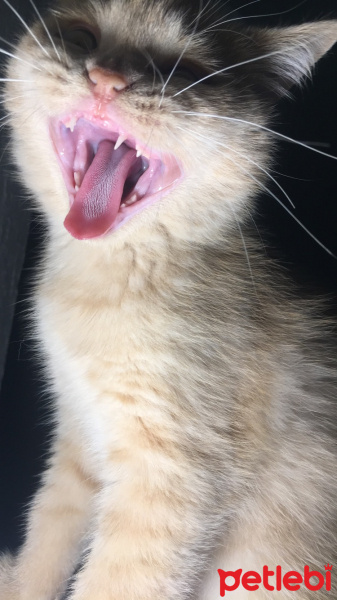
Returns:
(110, 175)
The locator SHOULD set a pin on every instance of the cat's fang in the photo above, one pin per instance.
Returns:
(120, 141)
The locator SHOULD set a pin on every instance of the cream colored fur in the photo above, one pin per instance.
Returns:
(194, 396)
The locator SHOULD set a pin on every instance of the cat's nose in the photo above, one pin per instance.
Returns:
(107, 84)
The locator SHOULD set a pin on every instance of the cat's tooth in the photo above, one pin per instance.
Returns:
(120, 141)
(71, 123)
(77, 179)
(77, 188)
(131, 200)
(139, 153)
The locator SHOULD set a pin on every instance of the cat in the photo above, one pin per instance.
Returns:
(194, 392)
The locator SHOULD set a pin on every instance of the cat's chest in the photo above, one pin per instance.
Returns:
(101, 309)
(106, 336)
(108, 363)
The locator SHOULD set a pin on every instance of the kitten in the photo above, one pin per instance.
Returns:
(194, 394)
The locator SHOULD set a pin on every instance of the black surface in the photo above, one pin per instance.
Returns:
(24, 427)
(14, 223)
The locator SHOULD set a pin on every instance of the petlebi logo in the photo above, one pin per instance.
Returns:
(275, 580)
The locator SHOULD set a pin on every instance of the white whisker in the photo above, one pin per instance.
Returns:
(26, 26)
(20, 59)
(17, 50)
(154, 67)
(46, 29)
(317, 144)
(154, 74)
(262, 186)
(5, 122)
(62, 41)
(276, 133)
(213, 9)
(296, 219)
(277, 14)
(190, 38)
(218, 23)
(249, 160)
(12, 98)
(18, 80)
(245, 249)
(240, 64)
(7, 42)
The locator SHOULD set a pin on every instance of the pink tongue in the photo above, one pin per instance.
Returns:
(97, 202)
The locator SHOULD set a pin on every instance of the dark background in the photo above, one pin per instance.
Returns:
(308, 178)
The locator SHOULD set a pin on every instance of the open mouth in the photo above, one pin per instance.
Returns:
(110, 176)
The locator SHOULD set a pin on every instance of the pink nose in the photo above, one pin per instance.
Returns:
(107, 84)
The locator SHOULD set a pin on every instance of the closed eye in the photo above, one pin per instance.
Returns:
(79, 37)
(188, 71)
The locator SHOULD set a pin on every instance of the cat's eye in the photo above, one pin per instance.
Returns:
(182, 70)
(80, 37)
(187, 70)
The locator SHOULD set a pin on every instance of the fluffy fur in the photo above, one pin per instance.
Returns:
(194, 395)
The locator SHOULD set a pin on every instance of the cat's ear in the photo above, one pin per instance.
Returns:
(293, 52)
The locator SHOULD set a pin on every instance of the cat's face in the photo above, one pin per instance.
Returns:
(100, 114)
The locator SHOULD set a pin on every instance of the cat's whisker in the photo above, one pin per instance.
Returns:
(11, 99)
(234, 215)
(2, 39)
(241, 18)
(202, 12)
(17, 51)
(60, 33)
(20, 59)
(3, 79)
(257, 125)
(154, 75)
(154, 67)
(46, 29)
(220, 6)
(159, 204)
(240, 64)
(212, 9)
(249, 160)
(26, 27)
(270, 193)
(325, 248)
(317, 144)
(245, 250)
(4, 123)
(258, 233)
(4, 152)
(189, 40)
(62, 40)
(219, 22)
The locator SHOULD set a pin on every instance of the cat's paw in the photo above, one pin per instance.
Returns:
(8, 590)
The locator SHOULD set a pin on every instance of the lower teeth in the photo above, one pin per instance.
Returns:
(131, 200)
